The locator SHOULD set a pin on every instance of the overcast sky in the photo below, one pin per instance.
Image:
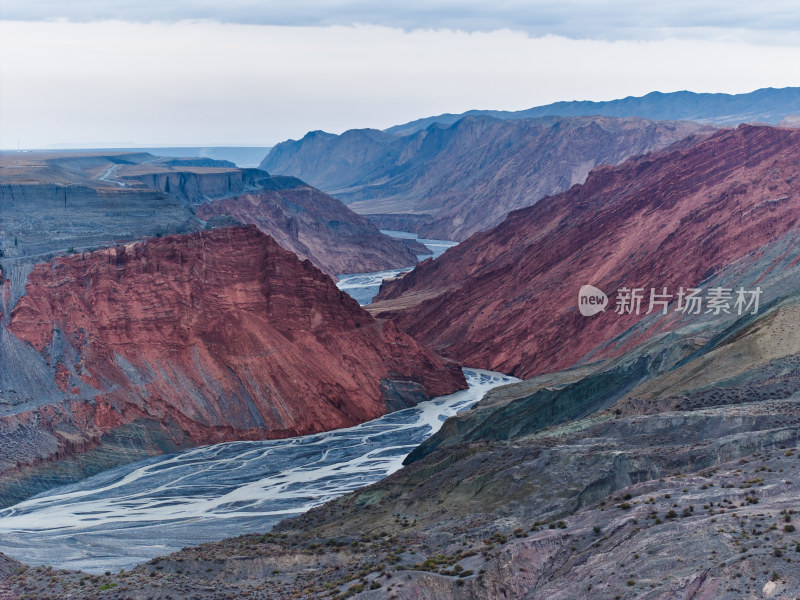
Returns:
(255, 72)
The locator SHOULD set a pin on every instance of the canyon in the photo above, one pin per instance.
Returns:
(661, 466)
(75, 402)
(134, 513)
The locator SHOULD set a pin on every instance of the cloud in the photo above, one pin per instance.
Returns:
(763, 21)
(204, 83)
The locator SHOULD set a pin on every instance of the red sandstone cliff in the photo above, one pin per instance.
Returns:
(506, 299)
(220, 335)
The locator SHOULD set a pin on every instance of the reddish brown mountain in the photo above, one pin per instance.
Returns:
(205, 337)
(506, 299)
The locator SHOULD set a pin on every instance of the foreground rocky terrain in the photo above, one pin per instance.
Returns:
(721, 214)
(449, 181)
(676, 481)
(120, 353)
(728, 532)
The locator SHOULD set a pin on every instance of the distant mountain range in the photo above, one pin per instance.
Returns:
(449, 181)
(451, 175)
(766, 105)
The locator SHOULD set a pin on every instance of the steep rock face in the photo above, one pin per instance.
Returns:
(723, 212)
(447, 182)
(51, 202)
(202, 338)
(194, 183)
(333, 163)
(315, 226)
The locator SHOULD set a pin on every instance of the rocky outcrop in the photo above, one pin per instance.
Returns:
(315, 226)
(8, 568)
(447, 182)
(506, 299)
(195, 339)
(194, 183)
(299, 217)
